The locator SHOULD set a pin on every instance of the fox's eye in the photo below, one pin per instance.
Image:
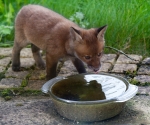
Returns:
(87, 57)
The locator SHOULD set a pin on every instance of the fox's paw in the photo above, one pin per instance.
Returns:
(41, 66)
(16, 68)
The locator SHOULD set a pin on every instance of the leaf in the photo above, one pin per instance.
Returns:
(10, 14)
(79, 15)
(1, 6)
(5, 30)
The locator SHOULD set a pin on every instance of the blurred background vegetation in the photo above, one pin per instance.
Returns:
(128, 20)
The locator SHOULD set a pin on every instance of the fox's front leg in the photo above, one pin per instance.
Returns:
(51, 65)
(79, 65)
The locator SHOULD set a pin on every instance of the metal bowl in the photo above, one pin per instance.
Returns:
(117, 91)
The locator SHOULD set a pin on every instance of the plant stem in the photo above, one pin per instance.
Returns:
(120, 51)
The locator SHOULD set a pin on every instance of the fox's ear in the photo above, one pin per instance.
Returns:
(101, 32)
(75, 34)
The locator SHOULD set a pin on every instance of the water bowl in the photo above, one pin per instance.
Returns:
(89, 97)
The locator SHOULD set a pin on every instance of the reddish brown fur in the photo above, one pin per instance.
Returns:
(51, 32)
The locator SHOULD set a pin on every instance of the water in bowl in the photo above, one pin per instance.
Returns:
(78, 89)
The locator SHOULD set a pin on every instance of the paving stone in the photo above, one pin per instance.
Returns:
(144, 69)
(146, 61)
(19, 75)
(10, 83)
(67, 74)
(67, 67)
(121, 68)
(2, 69)
(35, 84)
(38, 75)
(5, 61)
(123, 59)
(144, 90)
(105, 67)
(27, 62)
(40, 110)
(109, 58)
(5, 51)
(142, 78)
(26, 52)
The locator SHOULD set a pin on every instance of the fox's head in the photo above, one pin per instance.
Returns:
(88, 45)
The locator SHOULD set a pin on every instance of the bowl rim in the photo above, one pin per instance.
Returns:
(130, 91)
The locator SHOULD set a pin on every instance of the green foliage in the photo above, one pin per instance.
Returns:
(79, 19)
(5, 30)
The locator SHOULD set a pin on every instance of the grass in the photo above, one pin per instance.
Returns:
(127, 20)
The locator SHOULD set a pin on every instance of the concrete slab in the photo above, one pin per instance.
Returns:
(146, 61)
(5, 61)
(10, 83)
(121, 68)
(67, 68)
(27, 62)
(5, 51)
(123, 59)
(144, 70)
(38, 75)
(67, 74)
(19, 75)
(144, 90)
(109, 58)
(2, 69)
(105, 67)
(26, 52)
(142, 79)
(40, 111)
(35, 84)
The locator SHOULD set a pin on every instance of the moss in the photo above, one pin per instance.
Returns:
(2, 57)
(31, 92)
(146, 84)
(60, 65)
(5, 92)
(26, 92)
(24, 83)
(7, 98)
(2, 75)
(42, 76)
(19, 104)
(134, 82)
(131, 74)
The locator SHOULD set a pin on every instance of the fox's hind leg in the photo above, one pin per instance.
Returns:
(37, 57)
(18, 45)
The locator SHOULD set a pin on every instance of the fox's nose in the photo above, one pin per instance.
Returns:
(95, 70)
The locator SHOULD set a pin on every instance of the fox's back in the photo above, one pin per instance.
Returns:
(40, 24)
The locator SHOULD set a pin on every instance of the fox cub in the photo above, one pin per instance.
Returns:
(59, 37)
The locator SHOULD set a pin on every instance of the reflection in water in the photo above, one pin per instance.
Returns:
(78, 89)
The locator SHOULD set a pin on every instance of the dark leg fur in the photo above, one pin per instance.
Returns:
(37, 57)
(51, 65)
(16, 57)
(79, 65)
